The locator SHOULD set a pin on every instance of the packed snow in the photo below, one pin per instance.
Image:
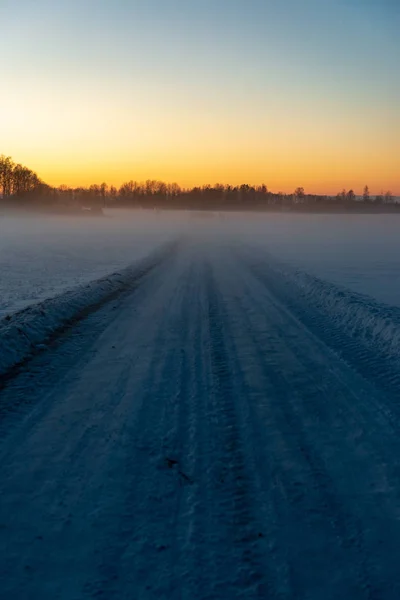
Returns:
(24, 333)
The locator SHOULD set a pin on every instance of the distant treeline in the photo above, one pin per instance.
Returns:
(21, 185)
(17, 181)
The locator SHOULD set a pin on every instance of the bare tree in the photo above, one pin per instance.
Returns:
(103, 192)
(299, 195)
(6, 176)
(112, 193)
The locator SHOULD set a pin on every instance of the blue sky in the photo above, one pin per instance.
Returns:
(258, 66)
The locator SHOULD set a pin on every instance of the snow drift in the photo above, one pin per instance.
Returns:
(25, 333)
(363, 331)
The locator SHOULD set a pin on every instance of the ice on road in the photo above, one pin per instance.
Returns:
(200, 437)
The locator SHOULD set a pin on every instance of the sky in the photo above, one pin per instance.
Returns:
(283, 92)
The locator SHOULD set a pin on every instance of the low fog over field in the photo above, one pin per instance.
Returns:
(43, 256)
(361, 252)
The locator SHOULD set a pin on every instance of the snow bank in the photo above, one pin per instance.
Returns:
(363, 331)
(375, 324)
(26, 332)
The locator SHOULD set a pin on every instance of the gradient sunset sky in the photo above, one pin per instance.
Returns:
(285, 92)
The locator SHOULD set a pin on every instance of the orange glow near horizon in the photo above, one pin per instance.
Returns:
(83, 133)
(318, 174)
(66, 141)
(284, 94)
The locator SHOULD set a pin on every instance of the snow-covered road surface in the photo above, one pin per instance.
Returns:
(199, 438)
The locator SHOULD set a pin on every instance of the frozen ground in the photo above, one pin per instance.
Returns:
(214, 422)
(43, 256)
(360, 252)
(39, 258)
(219, 427)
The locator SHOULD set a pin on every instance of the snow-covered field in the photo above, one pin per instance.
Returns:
(359, 252)
(41, 257)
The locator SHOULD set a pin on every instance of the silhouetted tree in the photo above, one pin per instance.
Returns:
(299, 195)
(6, 176)
(351, 196)
(19, 182)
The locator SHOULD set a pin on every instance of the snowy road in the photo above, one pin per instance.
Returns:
(198, 439)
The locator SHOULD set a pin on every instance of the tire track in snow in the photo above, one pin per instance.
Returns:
(221, 450)
(380, 372)
(40, 327)
(194, 553)
(291, 377)
(246, 569)
(378, 362)
(143, 549)
(90, 446)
